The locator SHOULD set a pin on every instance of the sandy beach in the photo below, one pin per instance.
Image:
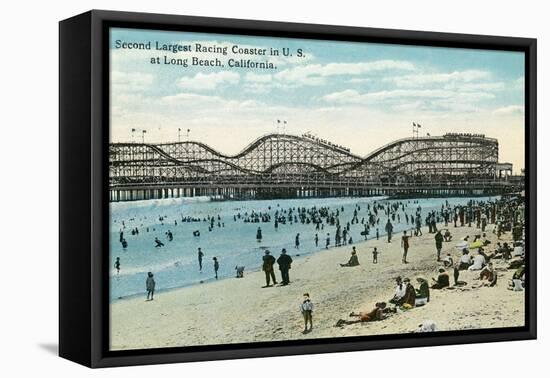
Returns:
(240, 310)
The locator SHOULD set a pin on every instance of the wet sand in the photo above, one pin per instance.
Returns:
(240, 310)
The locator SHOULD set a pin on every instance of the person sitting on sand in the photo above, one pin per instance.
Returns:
(400, 290)
(515, 285)
(150, 286)
(465, 260)
(519, 274)
(487, 257)
(422, 293)
(448, 261)
(447, 236)
(375, 314)
(409, 299)
(456, 275)
(307, 310)
(478, 261)
(353, 260)
(442, 280)
(506, 251)
(489, 274)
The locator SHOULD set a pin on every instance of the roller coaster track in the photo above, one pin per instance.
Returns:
(282, 158)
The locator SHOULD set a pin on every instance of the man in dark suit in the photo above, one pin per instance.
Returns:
(284, 262)
(267, 267)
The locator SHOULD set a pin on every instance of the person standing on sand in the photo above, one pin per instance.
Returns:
(327, 241)
(307, 310)
(405, 245)
(438, 244)
(316, 240)
(150, 286)
(389, 230)
(418, 224)
(200, 255)
(216, 266)
(267, 267)
(297, 241)
(375, 256)
(284, 262)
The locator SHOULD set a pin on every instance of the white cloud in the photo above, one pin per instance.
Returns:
(511, 109)
(304, 74)
(258, 78)
(351, 96)
(318, 74)
(424, 79)
(130, 81)
(210, 81)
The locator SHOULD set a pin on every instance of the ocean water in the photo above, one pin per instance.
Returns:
(233, 242)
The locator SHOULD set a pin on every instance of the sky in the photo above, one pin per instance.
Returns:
(359, 95)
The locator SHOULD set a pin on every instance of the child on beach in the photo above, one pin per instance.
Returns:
(150, 286)
(216, 266)
(307, 310)
(375, 256)
(240, 271)
(117, 265)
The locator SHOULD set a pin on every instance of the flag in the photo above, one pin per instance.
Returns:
(418, 125)
(133, 130)
(414, 124)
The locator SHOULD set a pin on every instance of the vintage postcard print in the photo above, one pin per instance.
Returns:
(273, 189)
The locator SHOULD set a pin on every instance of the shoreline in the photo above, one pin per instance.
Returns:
(240, 310)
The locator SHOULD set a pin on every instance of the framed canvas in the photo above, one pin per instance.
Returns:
(235, 188)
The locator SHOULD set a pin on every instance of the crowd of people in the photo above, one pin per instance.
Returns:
(504, 214)
(475, 255)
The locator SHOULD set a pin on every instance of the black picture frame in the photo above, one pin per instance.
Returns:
(83, 167)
